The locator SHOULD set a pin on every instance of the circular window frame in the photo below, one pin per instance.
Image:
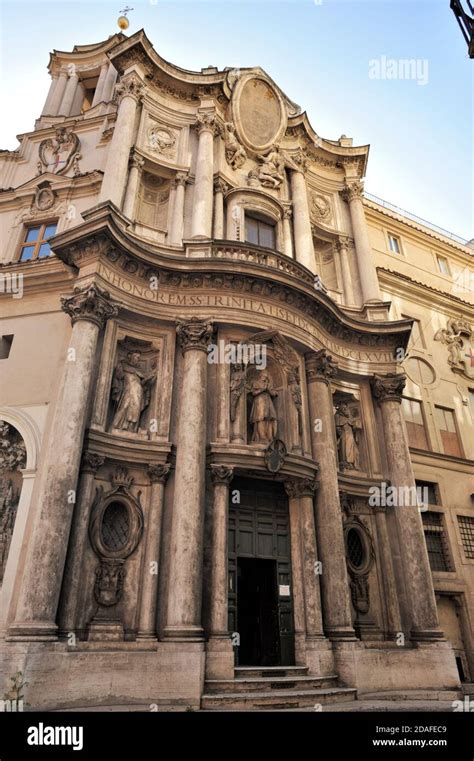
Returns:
(367, 546)
(135, 530)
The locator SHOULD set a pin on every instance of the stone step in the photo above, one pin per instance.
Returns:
(269, 671)
(399, 695)
(266, 684)
(276, 700)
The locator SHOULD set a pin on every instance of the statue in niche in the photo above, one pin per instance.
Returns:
(263, 415)
(237, 385)
(8, 508)
(272, 172)
(131, 392)
(234, 152)
(347, 428)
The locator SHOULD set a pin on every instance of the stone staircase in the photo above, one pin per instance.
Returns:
(273, 688)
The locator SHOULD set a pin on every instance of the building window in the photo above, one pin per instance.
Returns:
(449, 434)
(430, 490)
(413, 414)
(35, 244)
(416, 338)
(394, 244)
(466, 529)
(436, 543)
(443, 265)
(259, 232)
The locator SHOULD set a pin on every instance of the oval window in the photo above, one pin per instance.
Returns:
(115, 526)
(355, 548)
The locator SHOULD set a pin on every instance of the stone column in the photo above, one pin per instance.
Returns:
(58, 93)
(303, 235)
(69, 93)
(287, 239)
(177, 221)
(220, 655)
(50, 97)
(297, 582)
(147, 625)
(394, 624)
(130, 90)
(353, 193)
(109, 83)
(388, 390)
(91, 462)
(99, 90)
(237, 402)
(320, 368)
(89, 308)
(343, 251)
(136, 164)
(207, 128)
(220, 187)
(186, 551)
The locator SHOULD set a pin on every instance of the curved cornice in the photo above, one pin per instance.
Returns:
(104, 233)
(83, 54)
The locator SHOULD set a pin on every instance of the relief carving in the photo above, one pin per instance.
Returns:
(458, 336)
(271, 172)
(234, 151)
(162, 140)
(57, 153)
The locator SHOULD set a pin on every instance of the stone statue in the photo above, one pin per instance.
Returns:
(347, 428)
(237, 385)
(456, 336)
(8, 510)
(234, 152)
(272, 172)
(131, 390)
(263, 414)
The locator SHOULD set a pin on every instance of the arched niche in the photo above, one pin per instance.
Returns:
(245, 203)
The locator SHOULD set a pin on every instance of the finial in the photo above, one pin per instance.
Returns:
(122, 21)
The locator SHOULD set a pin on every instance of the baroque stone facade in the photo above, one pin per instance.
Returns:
(228, 359)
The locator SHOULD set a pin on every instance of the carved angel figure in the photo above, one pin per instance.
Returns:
(234, 152)
(131, 390)
(272, 172)
(452, 337)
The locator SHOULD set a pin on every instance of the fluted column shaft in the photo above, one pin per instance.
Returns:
(353, 194)
(130, 90)
(186, 552)
(421, 601)
(136, 165)
(320, 368)
(147, 624)
(304, 249)
(41, 584)
(177, 220)
(203, 187)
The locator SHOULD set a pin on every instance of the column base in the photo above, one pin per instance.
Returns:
(427, 635)
(24, 631)
(220, 659)
(180, 632)
(318, 656)
(105, 631)
(368, 630)
(345, 661)
(343, 633)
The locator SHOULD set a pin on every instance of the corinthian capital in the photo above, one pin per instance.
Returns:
(320, 365)
(300, 487)
(130, 86)
(353, 190)
(207, 121)
(90, 303)
(158, 472)
(221, 474)
(386, 388)
(195, 333)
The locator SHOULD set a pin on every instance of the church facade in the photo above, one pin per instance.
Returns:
(236, 465)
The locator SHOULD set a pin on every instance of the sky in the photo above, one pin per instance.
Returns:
(342, 61)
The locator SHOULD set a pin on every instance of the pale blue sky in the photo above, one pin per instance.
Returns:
(319, 53)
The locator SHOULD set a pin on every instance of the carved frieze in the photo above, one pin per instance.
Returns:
(161, 140)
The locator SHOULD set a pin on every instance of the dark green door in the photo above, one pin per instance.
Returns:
(260, 603)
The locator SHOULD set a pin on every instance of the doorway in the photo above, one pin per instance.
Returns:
(257, 612)
(260, 601)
